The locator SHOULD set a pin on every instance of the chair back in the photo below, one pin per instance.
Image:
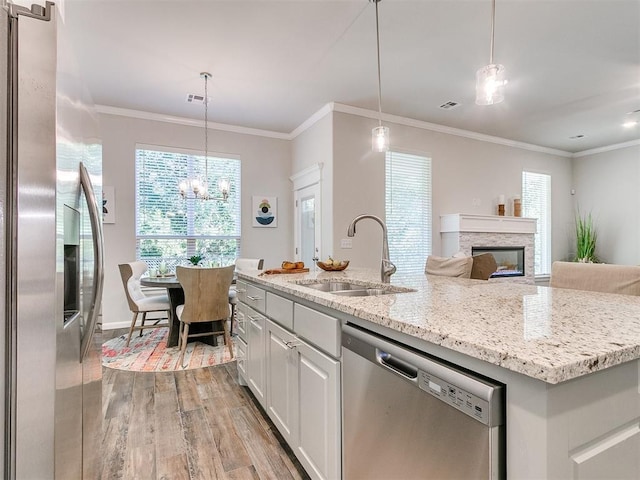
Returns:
(206, 293)
(484, 265)
(449, 266)
(249, 264)
(596, 277)
(130, 274)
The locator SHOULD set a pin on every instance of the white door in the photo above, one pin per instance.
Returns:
(308, 224)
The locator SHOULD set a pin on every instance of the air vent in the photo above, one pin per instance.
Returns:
(196, 98)
(449, 105)
(576, 137)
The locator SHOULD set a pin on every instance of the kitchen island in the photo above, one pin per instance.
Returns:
(569, 359)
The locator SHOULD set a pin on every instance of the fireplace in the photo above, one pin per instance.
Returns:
(510, 260)
(466, 233)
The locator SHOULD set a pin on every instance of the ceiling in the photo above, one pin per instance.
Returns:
(573, 65)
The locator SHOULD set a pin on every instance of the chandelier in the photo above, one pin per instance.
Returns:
(196, 187)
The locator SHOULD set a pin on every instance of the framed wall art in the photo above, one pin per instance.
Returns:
(264, 211)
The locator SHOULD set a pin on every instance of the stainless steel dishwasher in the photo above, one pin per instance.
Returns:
(410, 416)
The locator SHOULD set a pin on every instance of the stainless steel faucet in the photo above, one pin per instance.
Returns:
(387, 268)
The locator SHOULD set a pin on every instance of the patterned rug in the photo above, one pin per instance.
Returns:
(149, 353)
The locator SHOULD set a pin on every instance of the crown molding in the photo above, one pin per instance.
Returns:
(434, 127)
(608, 148)
(190, 122)
(360, 112)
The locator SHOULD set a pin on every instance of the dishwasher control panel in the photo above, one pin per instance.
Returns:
(455, 396)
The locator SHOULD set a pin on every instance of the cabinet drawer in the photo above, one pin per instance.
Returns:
(318, 328)
(255, 298)
(241, 291)
(241, 358)
(280, 310)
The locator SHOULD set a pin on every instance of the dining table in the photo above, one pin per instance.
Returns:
(176, 297)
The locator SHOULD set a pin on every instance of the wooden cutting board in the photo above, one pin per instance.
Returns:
(274, 271)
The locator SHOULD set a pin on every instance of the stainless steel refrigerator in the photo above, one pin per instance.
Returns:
(51, 256)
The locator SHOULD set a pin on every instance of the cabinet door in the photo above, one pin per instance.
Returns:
(319, 442)
(256, 354)
(282, 381)
(241, 321)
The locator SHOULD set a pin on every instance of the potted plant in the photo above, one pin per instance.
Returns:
(195, 260)
(586, 237)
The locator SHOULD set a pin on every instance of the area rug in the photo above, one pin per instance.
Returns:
(149, 353)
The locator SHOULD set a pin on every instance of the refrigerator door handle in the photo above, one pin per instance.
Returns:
(98, 248)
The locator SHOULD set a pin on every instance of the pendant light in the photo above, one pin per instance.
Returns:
(380, 134)
(490, 79)
(200, 187)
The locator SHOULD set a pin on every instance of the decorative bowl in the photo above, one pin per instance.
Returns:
(333, 268)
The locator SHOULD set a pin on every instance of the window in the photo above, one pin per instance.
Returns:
(536, 203)
(170, 228)
(408, 210)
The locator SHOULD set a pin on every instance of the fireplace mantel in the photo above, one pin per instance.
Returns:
(460, 222)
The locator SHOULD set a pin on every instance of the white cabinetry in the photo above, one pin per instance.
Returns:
(256, 359)
(319, 430)
(303, 401)
(282, 381)
(292, 367)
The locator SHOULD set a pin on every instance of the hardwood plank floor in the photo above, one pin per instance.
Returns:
(193, 425)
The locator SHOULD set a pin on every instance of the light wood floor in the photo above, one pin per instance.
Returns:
(193, 424)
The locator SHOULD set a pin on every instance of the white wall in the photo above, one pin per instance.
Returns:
(311, 147)
(266, 165)
(608, 186)
(468, 175)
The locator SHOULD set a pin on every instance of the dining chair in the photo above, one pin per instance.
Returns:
(596, 277)
(449, 266)
(206, 292)
(139, 303)
(242, 264)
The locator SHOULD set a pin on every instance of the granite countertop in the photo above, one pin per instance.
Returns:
(550, 334)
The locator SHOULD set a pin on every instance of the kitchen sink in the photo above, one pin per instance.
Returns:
(333, 286)
(363, 292)
(349, 289)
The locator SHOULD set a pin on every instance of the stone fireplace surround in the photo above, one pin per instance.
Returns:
(460, 232)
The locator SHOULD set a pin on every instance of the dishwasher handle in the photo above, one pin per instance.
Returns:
(397, 365)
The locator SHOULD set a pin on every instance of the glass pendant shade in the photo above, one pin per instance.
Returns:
(490, 82)
(380, 139)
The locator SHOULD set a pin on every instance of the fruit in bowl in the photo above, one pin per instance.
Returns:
(331, 265)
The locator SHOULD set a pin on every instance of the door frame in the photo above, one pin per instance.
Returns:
(306, 181)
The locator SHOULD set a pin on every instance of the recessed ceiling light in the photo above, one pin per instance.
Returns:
(630, 124)
(576, 137)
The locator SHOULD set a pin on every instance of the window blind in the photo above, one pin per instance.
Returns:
(536, 203)
(169, 228)
(408, 210)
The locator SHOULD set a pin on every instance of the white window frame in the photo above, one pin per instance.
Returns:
(406, 250)
(192, 237)
(543, 236)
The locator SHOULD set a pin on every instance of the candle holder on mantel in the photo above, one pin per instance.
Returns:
(501, 205)
(517, 207)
